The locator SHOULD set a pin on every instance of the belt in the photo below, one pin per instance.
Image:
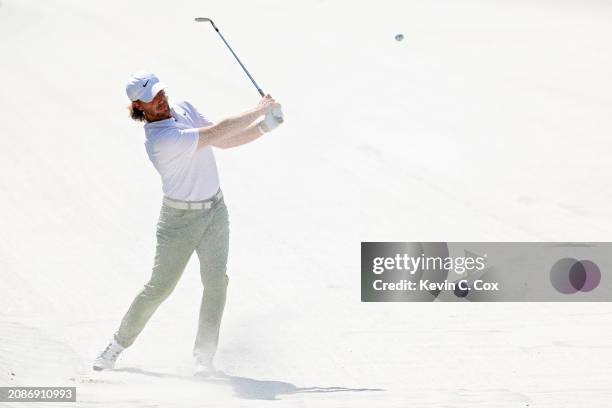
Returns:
(192, 205)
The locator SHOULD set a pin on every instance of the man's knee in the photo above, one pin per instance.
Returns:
(216, 281)
(157, 291)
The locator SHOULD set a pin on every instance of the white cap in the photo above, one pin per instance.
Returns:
(143, 86)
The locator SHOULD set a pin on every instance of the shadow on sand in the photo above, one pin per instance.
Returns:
(249, 388)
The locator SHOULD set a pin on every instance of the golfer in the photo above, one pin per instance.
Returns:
(193, 215)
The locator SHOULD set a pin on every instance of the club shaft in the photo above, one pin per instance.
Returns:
(240, 62)
(200, 19)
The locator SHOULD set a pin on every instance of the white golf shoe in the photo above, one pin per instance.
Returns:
(107, 359)
(205, 368)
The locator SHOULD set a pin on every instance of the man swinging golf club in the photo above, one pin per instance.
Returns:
(193, 215)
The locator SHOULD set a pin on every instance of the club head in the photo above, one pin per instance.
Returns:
(206, 20)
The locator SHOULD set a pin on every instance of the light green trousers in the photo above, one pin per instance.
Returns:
(179, 234)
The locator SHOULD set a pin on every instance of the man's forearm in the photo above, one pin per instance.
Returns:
(229, 128)
(249, 134)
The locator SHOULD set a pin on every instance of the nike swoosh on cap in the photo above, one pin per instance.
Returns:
(145, 84)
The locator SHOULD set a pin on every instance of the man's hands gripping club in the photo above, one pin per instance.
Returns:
(240, 129)
(274, 114)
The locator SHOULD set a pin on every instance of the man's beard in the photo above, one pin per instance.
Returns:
(158, 115)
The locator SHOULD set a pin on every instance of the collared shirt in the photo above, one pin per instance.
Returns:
(187, 173)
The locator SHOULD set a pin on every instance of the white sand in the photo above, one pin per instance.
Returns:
(490, 121)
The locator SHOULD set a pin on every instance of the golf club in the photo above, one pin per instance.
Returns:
(277, 113)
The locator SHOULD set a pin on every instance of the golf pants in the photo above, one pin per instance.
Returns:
(180, 232)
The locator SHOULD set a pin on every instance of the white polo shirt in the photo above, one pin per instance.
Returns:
(187, 173)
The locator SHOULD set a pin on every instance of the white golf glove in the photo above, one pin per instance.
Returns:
(278, 114)
(271, 120)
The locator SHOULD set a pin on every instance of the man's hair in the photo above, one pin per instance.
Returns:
(136, 114)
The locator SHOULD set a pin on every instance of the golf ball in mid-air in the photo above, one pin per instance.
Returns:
(399, 37)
